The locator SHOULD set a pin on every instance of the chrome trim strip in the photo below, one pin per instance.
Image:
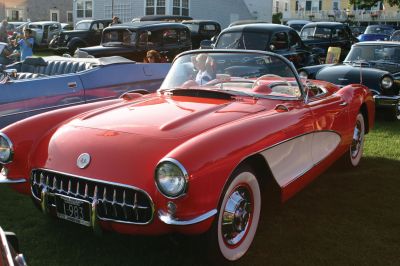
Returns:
(168, 219)
(152, 206)
(5, 248)
(5, 180)
(185, 173)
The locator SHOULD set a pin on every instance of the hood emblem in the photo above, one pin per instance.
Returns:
(83, 160)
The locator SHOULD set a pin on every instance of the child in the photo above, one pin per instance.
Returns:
(26, 44)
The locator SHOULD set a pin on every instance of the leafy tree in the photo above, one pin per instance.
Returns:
(370, 3)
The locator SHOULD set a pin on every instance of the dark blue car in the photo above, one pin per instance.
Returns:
(376, 33)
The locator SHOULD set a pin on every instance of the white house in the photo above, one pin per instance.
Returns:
(223, 11)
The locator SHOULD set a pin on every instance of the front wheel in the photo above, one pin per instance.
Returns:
(238, 215)
(354, 154)
(393, 114)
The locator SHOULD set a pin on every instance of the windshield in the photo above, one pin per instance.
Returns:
(297, 27)
(119, 37)
(83, 25)
(371, 53)
(315, 33)
(192, 27)
(35, 26)
(249, 73)
(243, 40)
(379, 30)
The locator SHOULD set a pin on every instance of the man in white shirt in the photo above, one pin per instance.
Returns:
(203, 76)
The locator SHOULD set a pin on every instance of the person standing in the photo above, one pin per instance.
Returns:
(3, 31)
(26, 44)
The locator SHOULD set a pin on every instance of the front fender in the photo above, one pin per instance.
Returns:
(74, 40)
(312, 71)
(28, 133)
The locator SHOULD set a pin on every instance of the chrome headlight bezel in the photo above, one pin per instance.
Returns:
(6, 149)
(387, 82)
(181, 180)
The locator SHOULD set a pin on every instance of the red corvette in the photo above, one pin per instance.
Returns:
(195, 157)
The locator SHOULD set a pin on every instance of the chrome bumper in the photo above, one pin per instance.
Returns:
(4, 180)
(386, 101)
(168, 219)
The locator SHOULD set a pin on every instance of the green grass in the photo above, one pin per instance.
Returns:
(343, 218)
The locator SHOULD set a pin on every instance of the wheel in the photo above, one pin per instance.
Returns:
(354, 154)
(238, 215)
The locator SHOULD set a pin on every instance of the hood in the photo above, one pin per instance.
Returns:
(345, 74)
(100, 50)
(168, 117)
(127, 139)
(74, 32)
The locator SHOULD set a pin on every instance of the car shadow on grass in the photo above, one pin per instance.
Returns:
(345, 217)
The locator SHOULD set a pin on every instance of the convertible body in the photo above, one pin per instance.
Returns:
(190, 158)
(54, 82)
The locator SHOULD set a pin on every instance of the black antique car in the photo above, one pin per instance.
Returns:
(167, 18)
(374, 64)
(9, 250)
(86, 33)
(133, 40)
(279, 39)
(202, 30)
(328, 34)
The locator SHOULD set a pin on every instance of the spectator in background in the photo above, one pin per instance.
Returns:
(115, 20)
(25, 44)
(152, 56)
(3, 31)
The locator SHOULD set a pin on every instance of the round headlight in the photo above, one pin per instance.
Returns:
(387, 82)
(303, 74)
(171, 178)
(6, 149)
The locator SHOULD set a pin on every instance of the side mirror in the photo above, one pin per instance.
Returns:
(206, 44)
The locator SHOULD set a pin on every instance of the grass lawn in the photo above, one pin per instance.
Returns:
(343, 218)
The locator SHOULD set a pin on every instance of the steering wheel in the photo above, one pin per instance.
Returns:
(271, 76)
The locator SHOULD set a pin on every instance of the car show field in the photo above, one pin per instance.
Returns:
(343, 218)
(122, 143)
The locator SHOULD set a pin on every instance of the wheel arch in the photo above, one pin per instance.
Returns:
(364, 112)
(264, 176)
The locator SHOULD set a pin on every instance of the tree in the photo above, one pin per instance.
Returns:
(370, 3)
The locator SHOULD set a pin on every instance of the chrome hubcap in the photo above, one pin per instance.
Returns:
(357, 140)
(236, 215)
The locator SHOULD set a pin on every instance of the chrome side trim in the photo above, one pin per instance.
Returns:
(168, 219)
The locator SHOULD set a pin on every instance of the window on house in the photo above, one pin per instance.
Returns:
(70, 17)
(84, 9)
(15, 15)
(277, 6)
(155, 7)
(180, 7)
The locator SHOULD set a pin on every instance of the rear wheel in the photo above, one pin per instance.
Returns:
(238, 215)
(354, 154)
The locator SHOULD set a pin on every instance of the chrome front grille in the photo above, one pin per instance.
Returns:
(114, 202)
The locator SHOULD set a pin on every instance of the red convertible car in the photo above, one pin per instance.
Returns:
(196, 156)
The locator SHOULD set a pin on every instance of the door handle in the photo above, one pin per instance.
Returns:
(72, 85)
